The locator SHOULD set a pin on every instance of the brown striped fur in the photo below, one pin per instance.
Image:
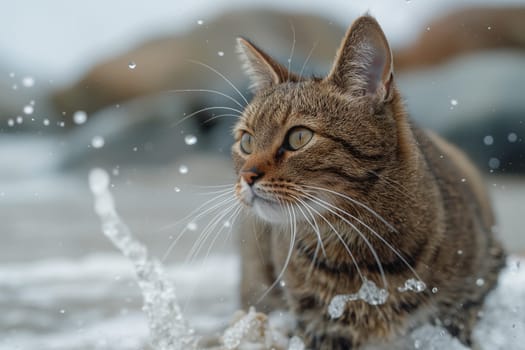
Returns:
(363, 147)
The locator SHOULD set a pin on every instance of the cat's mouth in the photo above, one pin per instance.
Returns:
(266, 208)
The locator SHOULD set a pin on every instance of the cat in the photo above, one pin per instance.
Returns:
(340, 187)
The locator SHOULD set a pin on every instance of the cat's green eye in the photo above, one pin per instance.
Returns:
(299, 137)
(246, 143)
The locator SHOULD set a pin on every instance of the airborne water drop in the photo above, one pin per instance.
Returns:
(80, 117)
(190, 139)
(97, 142)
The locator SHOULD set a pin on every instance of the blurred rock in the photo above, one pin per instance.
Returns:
(164, 64)
(462, 32)
(470, 87)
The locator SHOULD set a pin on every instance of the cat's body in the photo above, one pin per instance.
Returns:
(336, 161)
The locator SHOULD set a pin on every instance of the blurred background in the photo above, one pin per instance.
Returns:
(100, 84)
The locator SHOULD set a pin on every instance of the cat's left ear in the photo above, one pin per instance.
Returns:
(363, 64)
(262, 70)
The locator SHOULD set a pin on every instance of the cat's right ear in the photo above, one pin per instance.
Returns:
(262, 70)
(363, 64)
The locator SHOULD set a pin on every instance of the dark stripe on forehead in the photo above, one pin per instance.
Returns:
(352, 149)
(265, 112)
(286, 115)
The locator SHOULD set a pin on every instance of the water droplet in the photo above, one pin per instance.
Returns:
(97, 142)
(480, 282)
(435, 290)
(28, 82)
(190, 139)
(489, 27)
(176, 189)
(29, 109)
(296, 344)
(428, 29)
(282, 283)
(61, 124)
(135, 149)
(417, 344)
(454, 102)
(227, 224)
(463, 180)
(220, 53)
(132, 65)
(488, 140)
(62, 311)
(460, 252)
(494, 163)
(10, 122)
(512, 137)
(19, 120)
(183, 169)
(46, 122)
(413, 285)
(200, 22)
(191, 226)
(80, 117)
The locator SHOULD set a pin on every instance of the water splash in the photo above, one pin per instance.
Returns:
(369, 293)
(413, 285)
(168, 328)
(296, 344)
(250, 326)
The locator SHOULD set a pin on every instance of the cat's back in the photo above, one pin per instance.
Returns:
(456, 175)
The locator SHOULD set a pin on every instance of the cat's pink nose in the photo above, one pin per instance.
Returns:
(251, 175)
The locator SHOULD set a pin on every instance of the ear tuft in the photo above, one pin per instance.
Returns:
(262, 70)
(363, 63)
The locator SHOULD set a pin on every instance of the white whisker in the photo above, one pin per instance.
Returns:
(338, 235)
(220, 116)
(367, 242)
(367, 208)
(222, 76)
(307, 59)
(204, 110)
(376, 234)
(210, 91)
(292, 50)
(206, 211)
(291, 216)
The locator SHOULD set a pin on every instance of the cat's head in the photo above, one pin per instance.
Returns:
(304, 144)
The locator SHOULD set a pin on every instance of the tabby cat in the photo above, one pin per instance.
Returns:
(342, 188)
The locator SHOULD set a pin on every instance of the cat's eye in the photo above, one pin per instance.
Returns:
(299, 137)
(246, 143)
